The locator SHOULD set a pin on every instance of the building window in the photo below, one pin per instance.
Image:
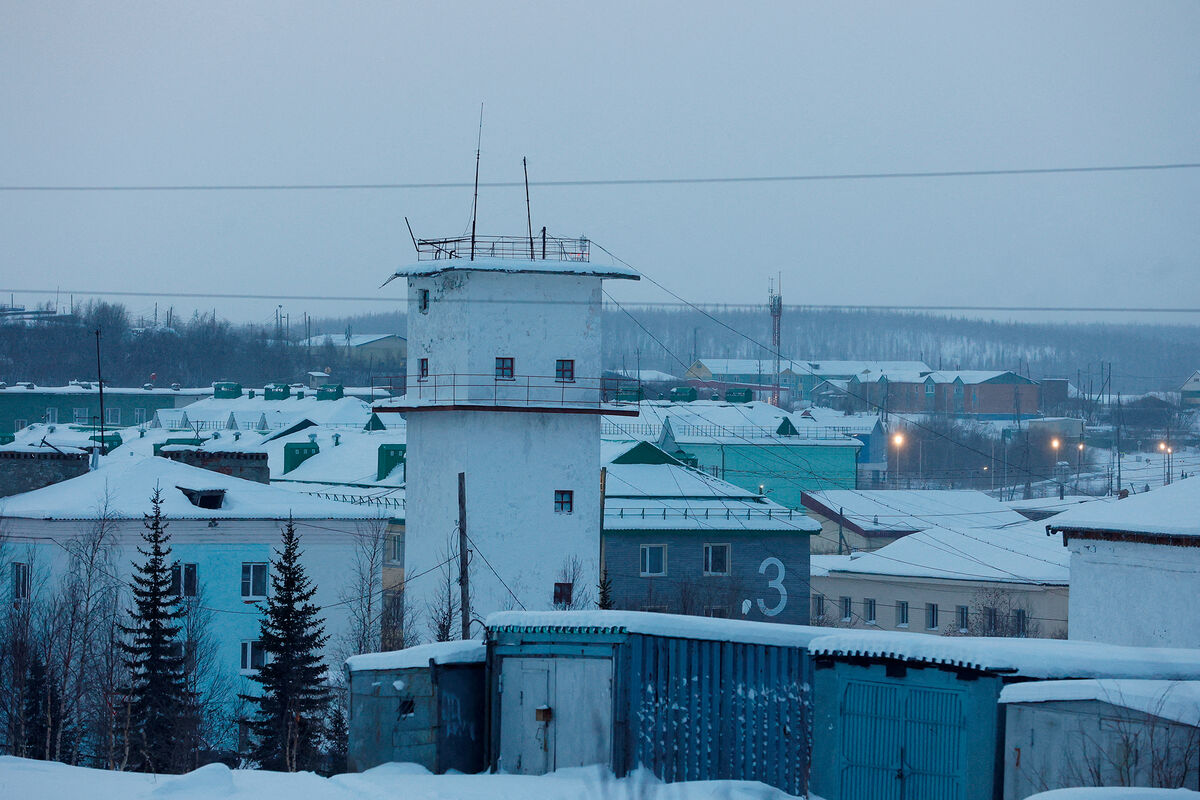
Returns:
(19, 424)
(847, 609)
(183, 580)
(564, 593)
(720, 612)
(902, 614)
(931, 616)
(504, 368)
(395, 548)
(423, 300)
(654, 560)
(716, 559)
(423, 369)
(20, 581)
(253, 656)
(564, 501)
(80, 416)
(963, 614)
(869, 611)
(139, 416)
(52, 416)
(564, 370)
(254, 580)
(989, 621)
(1020, 622)
(112, 416)
(818, 606)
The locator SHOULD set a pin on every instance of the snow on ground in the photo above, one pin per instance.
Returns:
(1116, 793)
(35, 780)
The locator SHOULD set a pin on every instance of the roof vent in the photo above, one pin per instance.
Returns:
(204, 498)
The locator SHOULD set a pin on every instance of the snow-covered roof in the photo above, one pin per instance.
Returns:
(466, 651)
(1115, 793)
(700, 516)
(126, 485)
(58, 435)
(746, 366)
(89, 387)
(671, 625)
(668, 480)
(716, 421)
(255, 413)
(342, 340)
(645, 375)
(438, 266)
(1166, 511)
(1031, 658)
(1013, 554)
(820, 566)
(831, 418)
(899, 511)
(1174, 700)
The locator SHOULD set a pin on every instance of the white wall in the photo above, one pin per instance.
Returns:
(513, 463)
(474, 317)
(1135, 593)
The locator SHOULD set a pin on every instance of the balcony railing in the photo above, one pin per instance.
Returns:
(652, 431)
(538, 248)
(479, 389)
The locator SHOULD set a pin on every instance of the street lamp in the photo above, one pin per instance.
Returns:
(1079, 462)
(898, 441)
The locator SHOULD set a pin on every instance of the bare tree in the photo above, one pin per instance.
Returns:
(363, 594)
(444, 609)
(997, 612)
(578, 592)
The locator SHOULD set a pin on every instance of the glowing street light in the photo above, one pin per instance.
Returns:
(898, 441)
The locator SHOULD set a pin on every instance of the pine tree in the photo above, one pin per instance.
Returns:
(160, 735)
(291, 710)
(606, 599)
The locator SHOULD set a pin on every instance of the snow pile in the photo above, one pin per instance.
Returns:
(467, 651)
(24, 778)
(671, 625)
(1032, 658)
(1178, 701)
(1116, 793)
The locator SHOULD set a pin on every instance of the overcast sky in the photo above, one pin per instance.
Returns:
(286, 93)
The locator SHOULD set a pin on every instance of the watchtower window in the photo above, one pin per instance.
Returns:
(564, 370)
(504, 369)
(423, 300)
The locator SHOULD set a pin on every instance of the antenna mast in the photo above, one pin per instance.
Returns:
(475, 202)
(775, 303)
(528, 211)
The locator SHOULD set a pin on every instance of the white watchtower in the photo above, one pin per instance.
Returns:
(504, 385)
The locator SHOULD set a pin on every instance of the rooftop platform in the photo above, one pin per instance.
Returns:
(522, 393)
(514, 254)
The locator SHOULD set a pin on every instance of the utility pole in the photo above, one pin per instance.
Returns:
(775, 301)
(464, 577)
(841, 537)
(100, 386)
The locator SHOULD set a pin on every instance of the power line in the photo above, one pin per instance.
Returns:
(641, 306)
(579, 182)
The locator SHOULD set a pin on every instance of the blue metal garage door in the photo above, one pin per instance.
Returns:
(901, 742)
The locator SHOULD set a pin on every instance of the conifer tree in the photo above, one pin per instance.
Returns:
(606, 599)
(161, 732)
(289, 725)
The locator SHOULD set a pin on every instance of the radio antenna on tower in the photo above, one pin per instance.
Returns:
(475, 202)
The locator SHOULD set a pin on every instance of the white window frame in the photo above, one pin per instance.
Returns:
(931, 616)
(112, 416)
(1020, 622)
(708, 546)
(394, 548)
(901, 613)
(79, 416)
(247, 656)
(51, 416)
(644, 562)
(139, 416)
(847, 604)
(20, 424)
(183, 582)
(247, 589)
(818, 605)
(963, 615)
(869, 610)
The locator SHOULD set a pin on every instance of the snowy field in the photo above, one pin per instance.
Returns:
(45, 780)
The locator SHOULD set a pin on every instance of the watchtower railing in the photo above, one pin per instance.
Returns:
(459, 388)
(538, 248)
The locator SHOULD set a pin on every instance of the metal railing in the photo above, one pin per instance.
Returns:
(707, 513)
(539, 248)
(455, 388)
(724, 431)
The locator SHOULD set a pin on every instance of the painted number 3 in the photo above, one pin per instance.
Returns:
(775, 583)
